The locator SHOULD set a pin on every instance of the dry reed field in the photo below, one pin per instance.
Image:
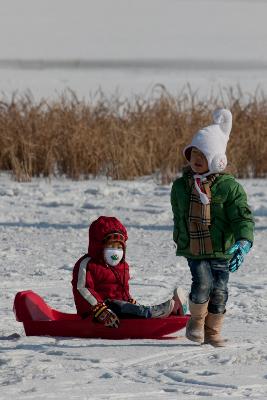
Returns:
(124, 139)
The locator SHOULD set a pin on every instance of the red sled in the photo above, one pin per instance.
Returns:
(41, 320)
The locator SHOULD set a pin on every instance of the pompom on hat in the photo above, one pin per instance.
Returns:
(212, 141)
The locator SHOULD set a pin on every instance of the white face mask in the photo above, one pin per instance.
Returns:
(113, 256)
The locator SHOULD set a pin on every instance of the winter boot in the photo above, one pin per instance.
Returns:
(180, 298)
(195, 326)
(213, 327)
(162, 310)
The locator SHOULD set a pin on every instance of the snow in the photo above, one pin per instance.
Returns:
(44, 229)
(125, 46)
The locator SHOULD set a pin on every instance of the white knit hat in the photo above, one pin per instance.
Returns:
(212, 141)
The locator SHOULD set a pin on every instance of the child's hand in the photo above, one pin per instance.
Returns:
(105, 316)
(239, 250)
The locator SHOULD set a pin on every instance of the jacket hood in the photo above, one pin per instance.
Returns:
(98, 230)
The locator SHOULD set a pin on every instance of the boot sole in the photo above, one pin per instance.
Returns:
(179, 297)
(165, 313)
(214, 344)
(194, 339)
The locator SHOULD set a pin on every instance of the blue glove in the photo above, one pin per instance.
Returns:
(239, 250)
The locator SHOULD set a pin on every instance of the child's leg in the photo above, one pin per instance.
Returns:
(218, 299)
(199, 298)
(219, 293)
(123, 309)
(202, 280)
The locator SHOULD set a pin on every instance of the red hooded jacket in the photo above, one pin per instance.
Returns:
(93, 280)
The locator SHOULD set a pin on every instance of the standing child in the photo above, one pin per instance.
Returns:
(101, 279)
(213, 227)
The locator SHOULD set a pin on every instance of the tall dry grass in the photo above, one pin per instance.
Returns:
(124, 139)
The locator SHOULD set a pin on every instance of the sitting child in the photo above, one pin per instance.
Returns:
(101, 279)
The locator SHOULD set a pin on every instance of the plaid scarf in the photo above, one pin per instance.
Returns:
(199, 216)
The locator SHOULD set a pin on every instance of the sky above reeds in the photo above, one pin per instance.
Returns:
(123, 29)
(129, 46)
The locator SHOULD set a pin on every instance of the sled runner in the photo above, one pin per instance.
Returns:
(41, 320)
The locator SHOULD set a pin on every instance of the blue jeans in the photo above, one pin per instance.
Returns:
(123, 309)
(209, 282)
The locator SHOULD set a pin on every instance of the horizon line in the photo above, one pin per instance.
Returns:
(132, 64)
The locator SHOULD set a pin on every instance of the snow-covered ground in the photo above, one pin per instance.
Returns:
(43, 224)
(43, 227)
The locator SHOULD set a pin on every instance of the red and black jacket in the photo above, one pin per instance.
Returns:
(93, 280)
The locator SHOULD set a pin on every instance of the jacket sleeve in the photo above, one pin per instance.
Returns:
(175, 210)
(85, 284)
(239, 214)
(126, 282)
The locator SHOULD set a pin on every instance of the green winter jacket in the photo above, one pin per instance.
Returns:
(231, 217)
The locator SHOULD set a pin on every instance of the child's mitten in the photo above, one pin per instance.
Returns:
(105, 316)
(239, 250)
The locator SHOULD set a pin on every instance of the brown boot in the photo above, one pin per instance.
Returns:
(195, 326)
(213, 327)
